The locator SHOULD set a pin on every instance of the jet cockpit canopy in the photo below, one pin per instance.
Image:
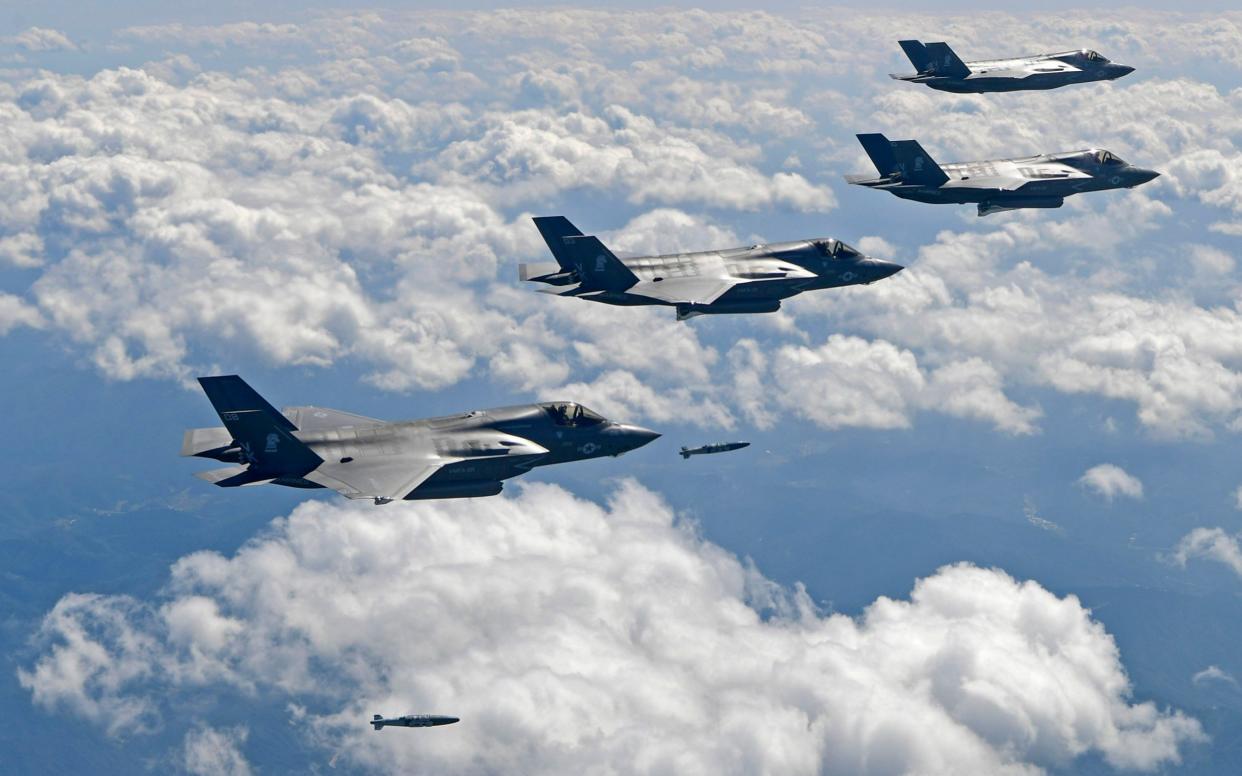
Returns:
(1094, 56)
(572, 414)
(835, 249)
(1085, 160)
(1107, 157)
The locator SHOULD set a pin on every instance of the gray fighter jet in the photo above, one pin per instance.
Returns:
(909, 172)
(459, 456)
(940, 68)
(412, 720)
(736, 280)
(718, 447)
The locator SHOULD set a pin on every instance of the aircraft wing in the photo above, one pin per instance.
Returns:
(692, 290)
(1052, 66)
(998, 182)
(317, 418)
(391, 477)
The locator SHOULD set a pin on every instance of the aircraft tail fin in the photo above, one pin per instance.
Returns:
(915, 164)
(942, 60)
(904, 158)
(916, 52)
(685, 453)
(554, 230)
(375, 722)
(597, 267)
(264, 436)
(880, 150)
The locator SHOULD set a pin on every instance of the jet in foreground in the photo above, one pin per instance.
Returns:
(459, 456)
(736, 280)
(907, 171)
(719, 447)
(412, 720)
(940, 68)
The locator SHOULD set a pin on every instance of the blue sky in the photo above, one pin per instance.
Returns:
(333, 205)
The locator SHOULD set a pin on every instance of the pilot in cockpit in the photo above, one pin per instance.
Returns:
(573, 415)
(834, 249)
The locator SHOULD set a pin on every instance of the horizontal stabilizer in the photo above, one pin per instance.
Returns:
(862, 178)
(234, 476)
(204, 441)
(547, 272)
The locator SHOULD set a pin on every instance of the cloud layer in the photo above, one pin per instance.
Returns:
(361, 192)
(574, 637)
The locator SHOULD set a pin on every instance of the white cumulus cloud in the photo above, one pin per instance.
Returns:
(1214, 544)
(1213, 673)
(1110, 481)
(211, 751)
(574, 637)
(36, 39)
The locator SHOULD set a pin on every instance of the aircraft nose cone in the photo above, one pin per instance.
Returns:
(633, 437)
(642, 436)
(881, 269)
(1122, 70)
(1142, 176)
(888, 269)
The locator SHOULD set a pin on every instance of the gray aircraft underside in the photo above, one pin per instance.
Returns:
(457, 456)
(907, 171)
(940, 68)
(736, 280)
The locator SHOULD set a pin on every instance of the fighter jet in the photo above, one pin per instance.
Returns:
(736, 280)
(940, 68)
(909, 172)
(718, 447)
(459, 456)
(412, 720)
